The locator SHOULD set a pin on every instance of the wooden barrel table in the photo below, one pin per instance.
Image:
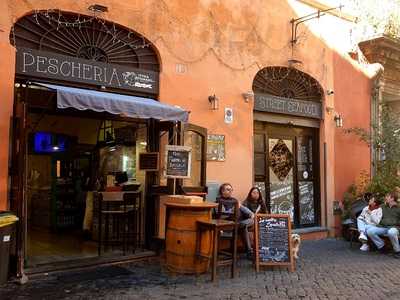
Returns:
(181, 237)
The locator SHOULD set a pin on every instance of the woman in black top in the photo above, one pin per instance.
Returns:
(255, 201)
(227, 205)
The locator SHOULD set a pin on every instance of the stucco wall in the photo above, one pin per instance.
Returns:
(207, 47)
(352, 102)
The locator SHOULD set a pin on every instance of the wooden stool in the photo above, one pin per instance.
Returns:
(123, 208)
(216, 226)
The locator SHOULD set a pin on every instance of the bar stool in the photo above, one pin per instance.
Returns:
(215, 227)
(125, 220)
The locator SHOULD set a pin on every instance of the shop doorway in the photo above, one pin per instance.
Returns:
(68, 157)
(286, 168)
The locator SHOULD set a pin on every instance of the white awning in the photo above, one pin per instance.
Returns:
(130, 106)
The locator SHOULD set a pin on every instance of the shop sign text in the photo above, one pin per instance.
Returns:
(40, 64)
(289, 106)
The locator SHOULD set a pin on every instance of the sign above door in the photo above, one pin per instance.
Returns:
(288, 106)
(41, 64)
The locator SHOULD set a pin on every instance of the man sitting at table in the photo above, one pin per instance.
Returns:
(387, 226)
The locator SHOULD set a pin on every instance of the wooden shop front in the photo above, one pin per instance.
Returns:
(89, 137)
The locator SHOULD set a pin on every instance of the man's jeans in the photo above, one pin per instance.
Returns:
(374, 232)
(362, 226)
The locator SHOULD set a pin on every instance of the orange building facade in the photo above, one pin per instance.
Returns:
(243, 54)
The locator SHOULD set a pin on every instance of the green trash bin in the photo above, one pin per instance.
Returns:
(7, 221)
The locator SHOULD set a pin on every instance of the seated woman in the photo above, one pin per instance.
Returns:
(255, 201)
(245, 215)
(370, 215)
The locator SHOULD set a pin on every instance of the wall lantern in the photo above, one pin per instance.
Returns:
(213, 100)
(338, 120)
(248, 96)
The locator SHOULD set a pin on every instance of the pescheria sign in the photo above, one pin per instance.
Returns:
(42, 64)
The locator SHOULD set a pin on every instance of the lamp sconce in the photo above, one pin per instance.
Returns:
(248, 96)
(338, 120)
(213, 100)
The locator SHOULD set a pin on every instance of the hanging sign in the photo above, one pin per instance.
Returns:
(178, 161)
(272, 241)
(288, 106)
(148, 161)
(41, 64)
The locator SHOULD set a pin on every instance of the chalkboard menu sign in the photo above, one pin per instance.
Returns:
(148, 161)
(178, 161)
(272, 241)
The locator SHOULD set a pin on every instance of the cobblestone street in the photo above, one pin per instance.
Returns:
(327, 269)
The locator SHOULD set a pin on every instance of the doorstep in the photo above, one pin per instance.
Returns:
(85, 263)
(312, 233)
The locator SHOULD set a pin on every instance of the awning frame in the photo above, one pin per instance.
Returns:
(116, 104)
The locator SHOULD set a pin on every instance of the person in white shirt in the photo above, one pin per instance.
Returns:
(370, 215)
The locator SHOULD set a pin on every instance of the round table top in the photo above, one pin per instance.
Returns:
(203, 205)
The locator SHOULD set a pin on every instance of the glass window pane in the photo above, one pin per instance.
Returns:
(193, 139)
(259, 143)
(259, 164)
(281, 176)
(163, 144)
(306, 202)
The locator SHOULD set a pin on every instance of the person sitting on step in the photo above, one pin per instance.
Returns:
(370, 215)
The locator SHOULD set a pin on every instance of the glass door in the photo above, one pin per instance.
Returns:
(286, 170)
(306, 178)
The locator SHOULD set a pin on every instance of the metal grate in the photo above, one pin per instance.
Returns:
(288, 83)
(94, 39)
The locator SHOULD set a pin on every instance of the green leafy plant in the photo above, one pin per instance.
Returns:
(349, 197)
(376, 17)
(386, 141)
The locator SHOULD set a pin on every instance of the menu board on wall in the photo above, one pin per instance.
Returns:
(272, 240)
(178, 161)
(216, 147)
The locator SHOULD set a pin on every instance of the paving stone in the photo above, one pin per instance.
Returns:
(327, 269)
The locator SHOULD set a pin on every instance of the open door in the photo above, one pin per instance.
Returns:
(17, 175)
(195, 137)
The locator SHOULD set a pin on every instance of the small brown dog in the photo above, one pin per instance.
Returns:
(296, 241)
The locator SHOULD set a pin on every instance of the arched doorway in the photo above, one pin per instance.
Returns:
(287, 113)
(63, 153)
